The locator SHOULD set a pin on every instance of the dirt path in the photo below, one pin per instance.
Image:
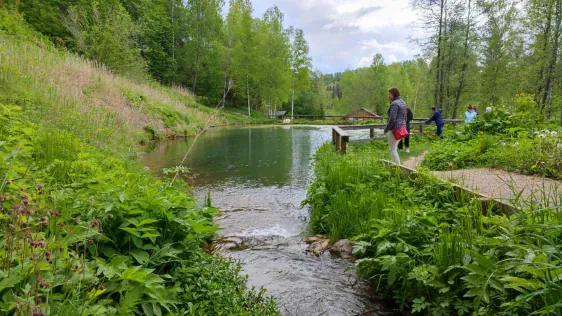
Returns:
(500, 184)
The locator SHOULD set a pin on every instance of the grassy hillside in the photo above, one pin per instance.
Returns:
(58, 88)
(84, 230)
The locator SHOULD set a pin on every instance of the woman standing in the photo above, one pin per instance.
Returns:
(470, 114)
(396, 116)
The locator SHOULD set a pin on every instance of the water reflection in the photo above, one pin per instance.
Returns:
(258, 156)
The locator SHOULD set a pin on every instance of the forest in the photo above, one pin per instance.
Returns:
(472, 52)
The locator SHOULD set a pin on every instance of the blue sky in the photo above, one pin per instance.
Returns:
(345, 34)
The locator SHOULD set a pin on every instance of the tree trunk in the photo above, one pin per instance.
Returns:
(248, 88)
(464, 64)
(546, 37)
(173, 32)
(547, 96)
(293, 105)
(438, 66)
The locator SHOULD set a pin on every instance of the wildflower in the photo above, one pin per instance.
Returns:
(541, 136)
(553, 133)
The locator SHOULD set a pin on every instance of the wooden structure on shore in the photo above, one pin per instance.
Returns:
(340, 136)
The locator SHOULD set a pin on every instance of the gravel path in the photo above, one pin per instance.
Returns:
(500, 184)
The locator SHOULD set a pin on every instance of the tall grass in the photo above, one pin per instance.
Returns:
(64, 90)
(436, 249)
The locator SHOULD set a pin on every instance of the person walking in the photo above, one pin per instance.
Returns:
(396, 120)
(469, 115)
(406, 141)
(437, 117)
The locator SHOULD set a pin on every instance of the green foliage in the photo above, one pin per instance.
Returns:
(433, 249)
(518, 142)
(13, 24)
(104, 31)
(85, 233)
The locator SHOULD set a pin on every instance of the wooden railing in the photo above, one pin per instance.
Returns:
(336, 117)
(340, 137)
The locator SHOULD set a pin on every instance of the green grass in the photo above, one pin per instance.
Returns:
(58, 88)
(432, 249)
(501, 140)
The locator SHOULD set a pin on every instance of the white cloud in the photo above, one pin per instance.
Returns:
(395, 47)
(341, 32)
(365, 61)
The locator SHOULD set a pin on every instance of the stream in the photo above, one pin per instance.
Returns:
(258, 177)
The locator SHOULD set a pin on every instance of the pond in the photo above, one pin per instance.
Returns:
(258, 177)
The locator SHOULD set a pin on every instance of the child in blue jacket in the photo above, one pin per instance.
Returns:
(437, 117)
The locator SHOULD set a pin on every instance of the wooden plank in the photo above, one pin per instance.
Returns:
(371, 126)
(344, 141)
(360, 127)
(487, 202)
(340, 131)
(338, 142)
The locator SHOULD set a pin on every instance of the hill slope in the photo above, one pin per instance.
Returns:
(62, 89)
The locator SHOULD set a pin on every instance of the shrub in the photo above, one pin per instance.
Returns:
(431, 249)
(85, 233)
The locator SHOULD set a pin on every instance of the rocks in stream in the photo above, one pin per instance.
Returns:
(317, 245)
(342, 248)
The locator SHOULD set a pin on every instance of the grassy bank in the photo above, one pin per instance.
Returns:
(85, 230)
(431, 250)
(520, 142)
(61, 89)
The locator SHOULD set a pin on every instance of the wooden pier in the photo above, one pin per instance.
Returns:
(340, 136)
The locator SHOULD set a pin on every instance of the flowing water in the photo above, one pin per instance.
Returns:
(258, 176)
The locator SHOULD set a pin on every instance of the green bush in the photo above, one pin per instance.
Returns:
(85, 233)
(517, 142)
(432, 249)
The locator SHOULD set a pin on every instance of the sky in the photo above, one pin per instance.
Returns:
(345, 34)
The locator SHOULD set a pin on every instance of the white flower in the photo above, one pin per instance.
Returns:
(536, 133)
(541, 136)
(546, 131)
(515, 144)
(553, 133)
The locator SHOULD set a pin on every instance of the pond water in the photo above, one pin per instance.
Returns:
(258, 177)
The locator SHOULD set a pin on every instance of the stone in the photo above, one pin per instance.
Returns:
(342, 248)
(311, 240)
(321, 246)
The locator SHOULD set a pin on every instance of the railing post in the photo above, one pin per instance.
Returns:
(344, 141)
(372, 133)
(334, 135)
(421, 128)
(338, 142)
